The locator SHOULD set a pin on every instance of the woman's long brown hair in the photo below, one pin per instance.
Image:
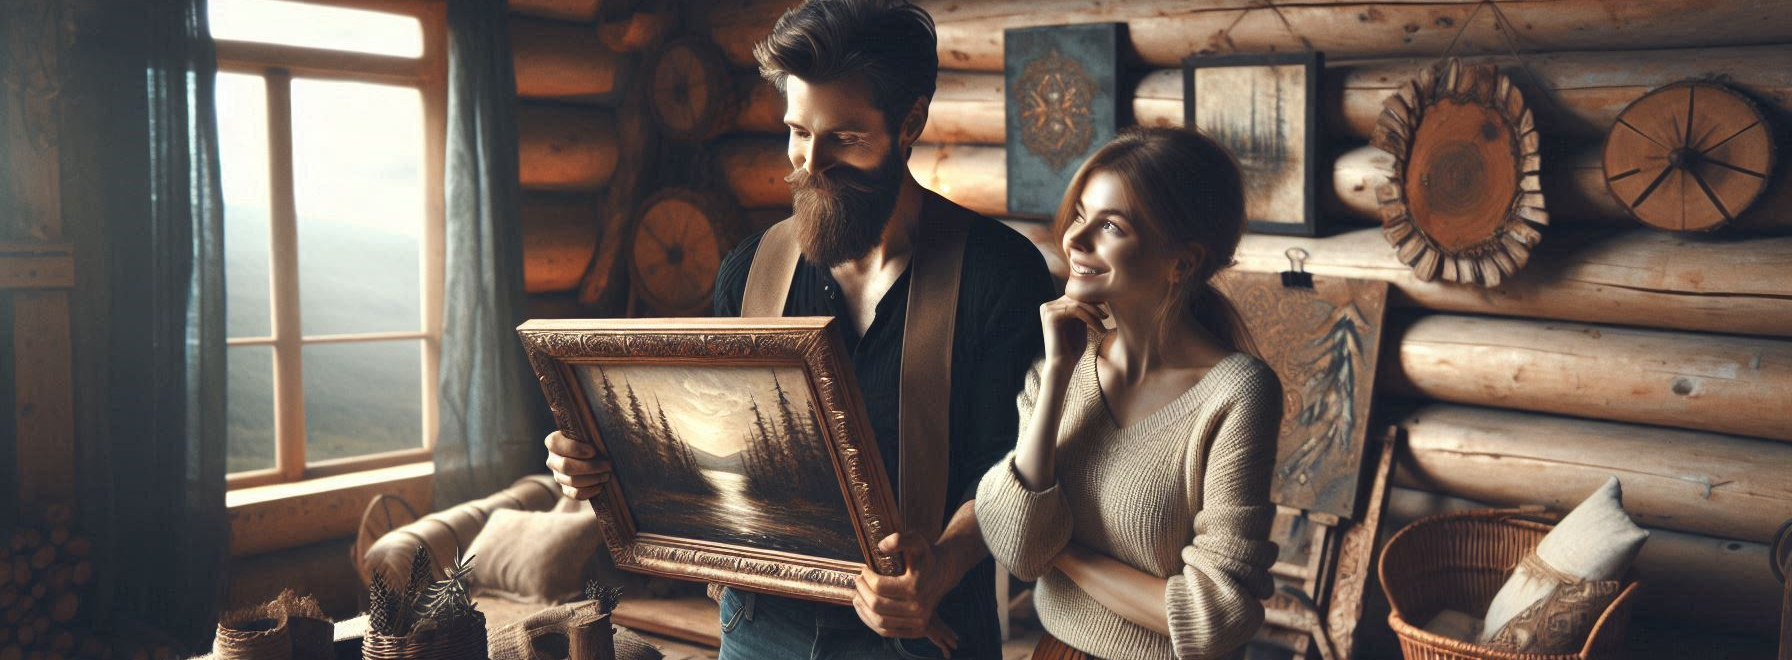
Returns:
(1186, 191)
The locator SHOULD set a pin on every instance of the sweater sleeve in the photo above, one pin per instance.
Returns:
(1214, 605)
(1024, 529)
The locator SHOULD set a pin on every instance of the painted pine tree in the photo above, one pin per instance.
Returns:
(681, 465)
(766, 480)
(640, 434)
(1326, 396)
(806, 448)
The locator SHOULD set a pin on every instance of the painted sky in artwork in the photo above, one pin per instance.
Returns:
(709, 407)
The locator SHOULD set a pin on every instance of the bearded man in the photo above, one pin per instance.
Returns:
(857, 76)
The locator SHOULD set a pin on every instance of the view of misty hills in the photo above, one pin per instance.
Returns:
(360, 398)
(708, 461)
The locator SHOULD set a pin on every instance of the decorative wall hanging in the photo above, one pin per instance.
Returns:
(1690, 156)
(1061, 106)
(1323, 342)
(676, 248)
(692, 92)
(740, 450)
(1465, 192)
(1265, 109)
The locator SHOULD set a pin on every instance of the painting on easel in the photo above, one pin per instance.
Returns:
(1323, 343)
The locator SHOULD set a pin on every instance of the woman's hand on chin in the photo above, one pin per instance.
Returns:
(1066, 322)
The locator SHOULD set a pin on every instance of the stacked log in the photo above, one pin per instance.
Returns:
(558, 61)
(565, 148)
(1690, 481)
(559, 237)
(1736, 385)
(1164, 31)
(640, 31)
(1637, 277)
(576, 11)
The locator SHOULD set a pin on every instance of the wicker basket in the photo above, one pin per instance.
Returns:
(1459, 561)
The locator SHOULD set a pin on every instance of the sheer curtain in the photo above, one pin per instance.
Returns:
(169, 528)
(492, 416)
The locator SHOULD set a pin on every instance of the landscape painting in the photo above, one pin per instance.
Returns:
(727, 454)
(1264, 110)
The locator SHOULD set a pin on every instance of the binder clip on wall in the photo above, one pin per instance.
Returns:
(1296, 277)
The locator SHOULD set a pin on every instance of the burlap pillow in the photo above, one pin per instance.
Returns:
(533, 556)
(1552, 599)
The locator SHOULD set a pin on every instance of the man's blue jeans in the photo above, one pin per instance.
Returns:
(755, 627)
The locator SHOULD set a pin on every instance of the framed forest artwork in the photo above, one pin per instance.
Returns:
(1062, 104)
(1265, 109)
(740, 450)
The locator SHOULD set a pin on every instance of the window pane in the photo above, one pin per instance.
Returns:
(250, 408)
(363, 398)
(243, 155)
(316, 26)
(358, 170)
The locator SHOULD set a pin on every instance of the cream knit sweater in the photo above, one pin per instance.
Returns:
(1182, 494)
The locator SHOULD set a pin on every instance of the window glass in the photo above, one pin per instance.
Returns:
(358, 184)
(316, 26)
(362, 398)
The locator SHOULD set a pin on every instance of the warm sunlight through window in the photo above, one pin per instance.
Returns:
(317, 26)
(333, 235)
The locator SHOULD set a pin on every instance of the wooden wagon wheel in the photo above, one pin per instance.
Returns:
(384, 513)
(1465, 192)
(1690, 156)
(692, 92)
(676, 248)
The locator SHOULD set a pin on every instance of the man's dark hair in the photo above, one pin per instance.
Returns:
(890, 43)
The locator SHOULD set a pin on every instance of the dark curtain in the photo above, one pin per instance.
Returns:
(492, 416)
(169, 532)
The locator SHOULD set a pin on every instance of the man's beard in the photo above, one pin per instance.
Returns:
(841, 212)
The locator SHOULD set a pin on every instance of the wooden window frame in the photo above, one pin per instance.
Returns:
(278, 64)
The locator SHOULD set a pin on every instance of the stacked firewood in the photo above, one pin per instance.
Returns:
(46, 579)
(43, 581)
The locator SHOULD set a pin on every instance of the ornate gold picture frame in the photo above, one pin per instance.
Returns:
(740, 449)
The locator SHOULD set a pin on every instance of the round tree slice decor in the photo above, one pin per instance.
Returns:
(1464, 202)
(676, 248)
(691, 89)
(1690, 156)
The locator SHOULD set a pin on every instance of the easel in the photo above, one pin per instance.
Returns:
(1320, 604)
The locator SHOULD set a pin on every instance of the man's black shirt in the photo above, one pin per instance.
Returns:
(997, 338)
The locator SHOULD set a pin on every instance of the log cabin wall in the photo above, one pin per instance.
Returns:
(1663, 358)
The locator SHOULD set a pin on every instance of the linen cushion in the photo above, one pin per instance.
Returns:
(533, 556)
(1551, 600)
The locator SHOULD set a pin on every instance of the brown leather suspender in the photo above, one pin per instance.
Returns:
(935, 267)
(774, 265)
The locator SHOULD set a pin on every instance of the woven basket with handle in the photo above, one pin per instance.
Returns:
(1459, 561)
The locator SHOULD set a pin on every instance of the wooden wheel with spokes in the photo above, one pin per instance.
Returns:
(1689, 157)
